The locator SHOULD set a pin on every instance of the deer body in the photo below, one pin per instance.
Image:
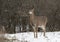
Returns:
(37, 21)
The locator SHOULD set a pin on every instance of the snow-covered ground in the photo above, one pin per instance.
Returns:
(29, 36)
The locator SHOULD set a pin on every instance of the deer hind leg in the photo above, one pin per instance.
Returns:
(44, 30)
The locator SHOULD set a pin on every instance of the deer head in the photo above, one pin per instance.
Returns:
(31, 11)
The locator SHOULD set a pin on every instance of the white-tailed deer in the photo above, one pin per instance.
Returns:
(37, 21)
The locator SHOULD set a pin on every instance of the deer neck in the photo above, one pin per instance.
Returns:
(32, 16)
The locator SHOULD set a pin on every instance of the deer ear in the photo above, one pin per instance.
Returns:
(33, 9)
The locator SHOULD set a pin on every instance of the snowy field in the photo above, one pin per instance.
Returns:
(29, 37)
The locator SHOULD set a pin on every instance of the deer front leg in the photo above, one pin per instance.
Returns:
(34, 31)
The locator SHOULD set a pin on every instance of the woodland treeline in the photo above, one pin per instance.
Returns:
(15, 12)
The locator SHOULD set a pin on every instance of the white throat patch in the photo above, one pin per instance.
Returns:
(30, 12)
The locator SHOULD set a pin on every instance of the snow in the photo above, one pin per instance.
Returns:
(29, 36)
